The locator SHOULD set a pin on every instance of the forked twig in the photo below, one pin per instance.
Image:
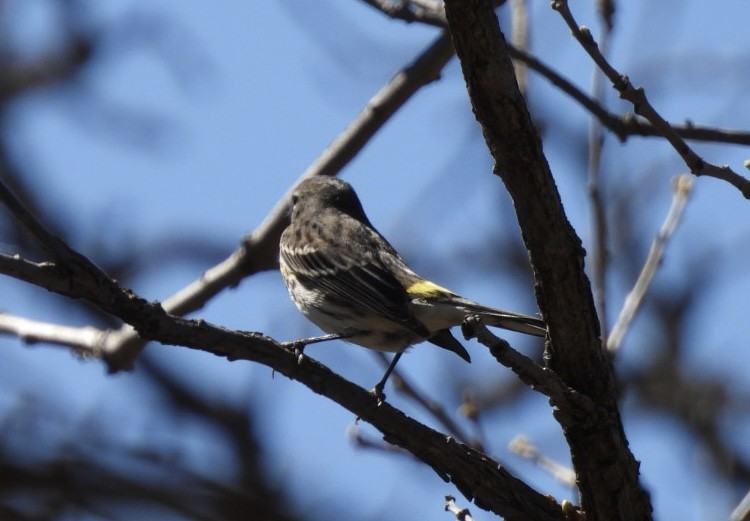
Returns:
(641, 106)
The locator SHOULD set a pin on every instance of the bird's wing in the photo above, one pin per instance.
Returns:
(355, 276)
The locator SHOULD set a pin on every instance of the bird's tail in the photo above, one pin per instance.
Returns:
(506, 319)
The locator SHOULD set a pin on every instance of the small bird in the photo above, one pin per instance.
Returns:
(347, 279)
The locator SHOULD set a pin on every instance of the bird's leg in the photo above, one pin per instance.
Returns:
(298, 346)
(378, 389)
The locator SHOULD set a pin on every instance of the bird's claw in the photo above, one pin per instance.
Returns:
(378, 393)
(298, 348)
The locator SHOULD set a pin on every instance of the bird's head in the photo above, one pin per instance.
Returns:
(320, 193)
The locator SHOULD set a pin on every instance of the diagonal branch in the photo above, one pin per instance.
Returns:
(49, 243)
(682, 189)
(473, 473)
(637, 97)
(540, 379)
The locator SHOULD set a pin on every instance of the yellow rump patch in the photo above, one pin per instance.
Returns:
(426, 289)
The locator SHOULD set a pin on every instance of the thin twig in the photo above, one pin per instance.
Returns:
(641, 106)
(431, 406)
(539, 378)
(627, 125)
(519, 37)
(595, 187)
(523, 447)
(622, 126)
(682, 188)
(83, 340)
(742, 510)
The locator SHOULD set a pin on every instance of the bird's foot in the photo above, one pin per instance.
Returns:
(378, 393)
(297, 347)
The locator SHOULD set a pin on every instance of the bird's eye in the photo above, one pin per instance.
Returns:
(295, 198)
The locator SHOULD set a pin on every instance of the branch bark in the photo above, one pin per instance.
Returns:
(641, 105)
(73, 275)
(607, 473)
(474, 474)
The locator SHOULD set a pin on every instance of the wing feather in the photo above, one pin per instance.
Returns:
(357, 275)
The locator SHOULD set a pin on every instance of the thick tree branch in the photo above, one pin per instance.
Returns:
(475, 475)
(574, 350)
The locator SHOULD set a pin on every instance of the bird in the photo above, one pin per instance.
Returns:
(348, 280)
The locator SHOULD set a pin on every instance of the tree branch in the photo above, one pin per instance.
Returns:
(83, 340)
(637, 97)
(475, 475)
(622, 126)
(682, 189)
(541, 379)
(574, 350)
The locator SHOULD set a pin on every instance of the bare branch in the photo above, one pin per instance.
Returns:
(627, 125)
(539, 378)
(434, 408)
(473, 473)
(50, 244)
(637, 97)
(424, 11)
(682, 188)
(622, 126)
(523, 447)
(85, 341)
(742, 511)
(519, 36)
(598, 215)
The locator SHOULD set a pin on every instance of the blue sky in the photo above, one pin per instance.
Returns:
(230, 102)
